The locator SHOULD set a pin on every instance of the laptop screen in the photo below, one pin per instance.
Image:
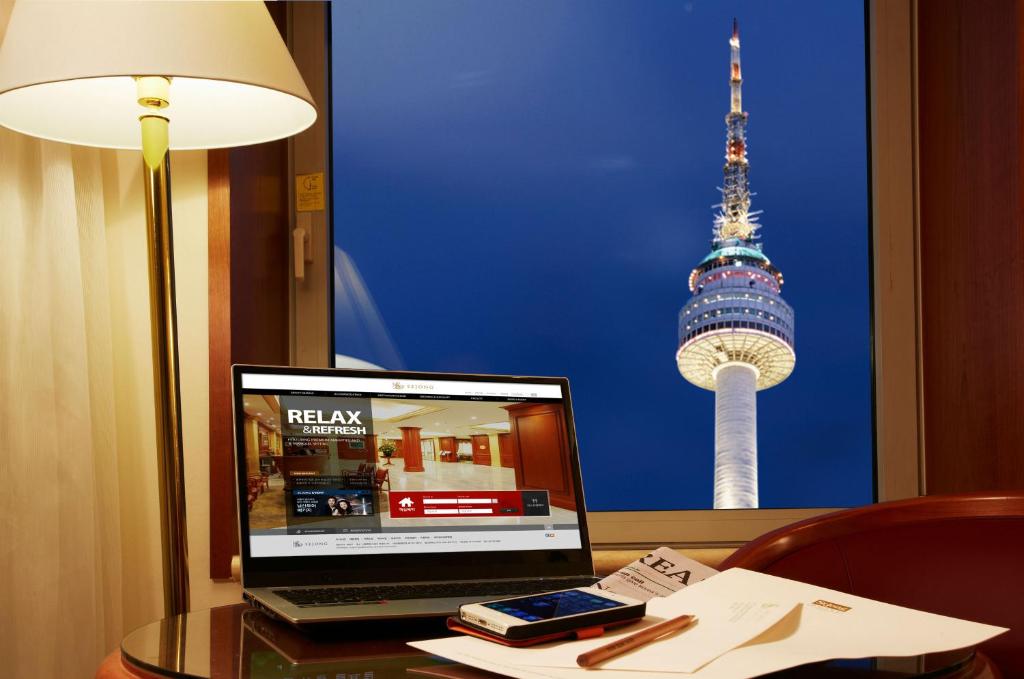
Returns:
(373, 464)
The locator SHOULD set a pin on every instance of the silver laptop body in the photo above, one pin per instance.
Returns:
(452, 488)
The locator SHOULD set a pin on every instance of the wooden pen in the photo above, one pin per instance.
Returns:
(635, 640)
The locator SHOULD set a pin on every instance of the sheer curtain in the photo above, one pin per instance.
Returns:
(79, 537)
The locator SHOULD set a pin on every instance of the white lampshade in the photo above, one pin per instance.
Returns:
(67, 72)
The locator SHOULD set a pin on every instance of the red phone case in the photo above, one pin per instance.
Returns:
(456, 625)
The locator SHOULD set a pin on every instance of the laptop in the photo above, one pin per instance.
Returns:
(370, 494)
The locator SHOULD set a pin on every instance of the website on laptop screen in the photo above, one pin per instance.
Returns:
(358, 465)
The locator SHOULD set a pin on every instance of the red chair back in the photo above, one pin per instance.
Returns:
(956, 555)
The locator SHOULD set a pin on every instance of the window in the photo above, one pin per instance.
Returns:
(523, 188)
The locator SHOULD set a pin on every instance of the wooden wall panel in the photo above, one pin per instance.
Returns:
(540, 452)
(972, 243)
(505, 450)
(481, 449)
(259, 253)
(223, 533)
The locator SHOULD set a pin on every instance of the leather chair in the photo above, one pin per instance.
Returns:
(383, 476)
(956, 555)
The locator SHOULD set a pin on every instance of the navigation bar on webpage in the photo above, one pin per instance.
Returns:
(272, 382)
(411, 543)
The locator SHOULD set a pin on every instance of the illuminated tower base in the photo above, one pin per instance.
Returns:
(735, 436)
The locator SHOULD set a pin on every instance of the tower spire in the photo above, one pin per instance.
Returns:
(735, 75)
(735, 221)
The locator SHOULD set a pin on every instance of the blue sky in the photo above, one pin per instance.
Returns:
(525, 187)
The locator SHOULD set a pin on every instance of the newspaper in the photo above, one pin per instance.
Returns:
(660, 573)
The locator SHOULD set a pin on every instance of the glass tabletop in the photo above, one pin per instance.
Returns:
(239, 642)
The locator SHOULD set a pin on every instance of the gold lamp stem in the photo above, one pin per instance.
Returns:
(153, 93)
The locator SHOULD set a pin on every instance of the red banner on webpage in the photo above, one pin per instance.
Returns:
(467, 504)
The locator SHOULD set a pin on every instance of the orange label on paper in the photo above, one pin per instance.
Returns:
(831, 605)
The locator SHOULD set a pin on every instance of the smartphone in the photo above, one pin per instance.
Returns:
(537, 615)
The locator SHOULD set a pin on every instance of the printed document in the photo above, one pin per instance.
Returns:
(822, 624)
(660, 573)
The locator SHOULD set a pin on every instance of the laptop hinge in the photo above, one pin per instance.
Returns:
(551, 579)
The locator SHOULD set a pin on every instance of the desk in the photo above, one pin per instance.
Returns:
(237, 642)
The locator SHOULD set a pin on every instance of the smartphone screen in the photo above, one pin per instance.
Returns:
(553, 605)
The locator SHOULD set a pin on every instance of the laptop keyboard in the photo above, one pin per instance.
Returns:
(307, 597)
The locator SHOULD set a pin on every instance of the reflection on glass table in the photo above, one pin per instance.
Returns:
(238, 642)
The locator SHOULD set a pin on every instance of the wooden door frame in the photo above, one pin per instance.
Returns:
(251, 212)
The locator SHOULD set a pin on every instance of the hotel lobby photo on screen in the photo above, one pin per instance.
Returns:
(664, 201)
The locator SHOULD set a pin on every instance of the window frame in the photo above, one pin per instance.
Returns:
(895, 323)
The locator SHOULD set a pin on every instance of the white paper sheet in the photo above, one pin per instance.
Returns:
(827, 625)
(719, 628)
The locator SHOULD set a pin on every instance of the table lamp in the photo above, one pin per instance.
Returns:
(154, 76)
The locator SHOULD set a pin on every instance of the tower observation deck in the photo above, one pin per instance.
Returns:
(736, 331)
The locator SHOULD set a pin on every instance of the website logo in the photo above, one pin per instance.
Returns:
(413, 386)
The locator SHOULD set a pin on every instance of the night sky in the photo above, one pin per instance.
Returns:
(525, 186)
